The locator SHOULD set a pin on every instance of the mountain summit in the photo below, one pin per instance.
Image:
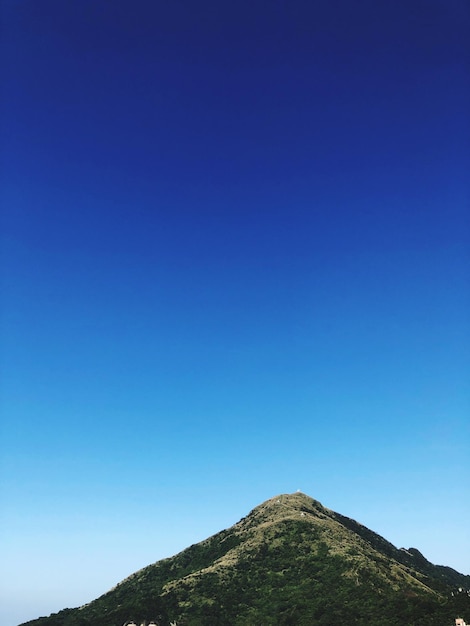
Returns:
(290, 561)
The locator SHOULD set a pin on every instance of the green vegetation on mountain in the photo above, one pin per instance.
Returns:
(290, 561)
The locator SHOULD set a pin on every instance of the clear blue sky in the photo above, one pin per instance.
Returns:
(235, 262)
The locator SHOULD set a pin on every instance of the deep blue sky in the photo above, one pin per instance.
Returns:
(235, 262)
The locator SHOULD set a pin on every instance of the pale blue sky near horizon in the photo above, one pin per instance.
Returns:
(235, 263)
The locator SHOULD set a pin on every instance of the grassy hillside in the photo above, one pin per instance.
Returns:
(290, 561)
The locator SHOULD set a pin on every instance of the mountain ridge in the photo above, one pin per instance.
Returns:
(289, 561)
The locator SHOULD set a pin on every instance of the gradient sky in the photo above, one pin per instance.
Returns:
(235, 263)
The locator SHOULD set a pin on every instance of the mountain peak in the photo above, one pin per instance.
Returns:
(289, 561)
(288, 505)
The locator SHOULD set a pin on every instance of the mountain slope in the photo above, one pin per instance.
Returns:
(290, 561)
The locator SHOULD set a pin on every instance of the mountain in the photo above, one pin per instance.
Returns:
(291, 561)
